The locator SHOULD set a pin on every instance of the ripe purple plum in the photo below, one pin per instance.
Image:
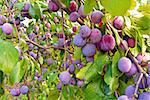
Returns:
(59, 86)
(2, 19)
(64, 77)
(53, 6)
(144, 96)
(79, 41)
(73, 6)
(123, 97)
(72, 81)
(85, 31)
(71, 69)
(130, 91)
(26, 7)
(118, 22)
(74, 28)
(50, 61)
(95, 35)
(7, 28)
(107, 43)
(131, 42)
(132, 71)
(90, 59)
(61, 42)
(96, 17)
(124, 64)
(48, 25)
(89, 50)
(33, 54)
(24, 89)
(80, 83)
(15, 92)
(148, 80)
(81, 12)
(74, 16)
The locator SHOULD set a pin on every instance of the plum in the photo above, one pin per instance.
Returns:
(81, 12)
(71, 69)
(144, 96)
(64, 77)
(26, 7)
(124, 64)
(74, 28)
(48, 25)
(132, 71)
(73, 6)
(78, 61)
(15, 92)
(123, 97)
(90, 59)
(53, 6)
(130, 91)
(61, 42)
(107, 43)
(7, 28)
(96, 17)
(118, 22)
(72, 81)
(50, 61)
(85, 31)
(131, 42)
(95, 35)
(148, 81)
(79, 41)
(24, 89)
(80, 66)
(2, 19)
(89, 50)
(74, 16)
(33, 54)
(80, 83)
(59, 86)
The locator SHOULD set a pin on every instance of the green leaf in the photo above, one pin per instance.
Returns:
(114, 83)
(93, 90)
(116, 7)
(88, 5)
(8, 56)
(100, 60)
(116, 57)
(35, 10)
(108, 75)
(19, 71)
(77, 53)
(20, 5)
(66, 2)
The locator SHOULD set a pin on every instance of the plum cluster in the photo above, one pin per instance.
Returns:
(17, 91)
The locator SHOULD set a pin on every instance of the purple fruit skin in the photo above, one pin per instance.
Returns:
(124, 64)
(85, 31)
(64, 77)
(72, 81)
(132, 71)
(49, 61)
(80, 66)
(74, 16)
(61, 42)
(107, 43)
(89, 50)
(130, 91)
(90, 59)
(118, 22)
(7, 28)
(73, 6)
(15, 92)
(2, 19)
(148, 81)
(26, 7)
(81, 12)
(59, 86)
(96, 17)
(74, 28)
(80, 83)
(52, 6)
(144, 96)
(79, 41)
(123, 97)
(33, 54)
(71, 68)
(95, 35)
(24, 89)
(65, 64)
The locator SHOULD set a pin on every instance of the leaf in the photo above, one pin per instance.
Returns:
(88, 5)
(116, 7)
(113, 84)
(35, 10)
(66, 2)
(20, 5)
(19, 71)
(8, 57)
(100, 60)
(108, 75)
(93, 90)
(116, 57)
(77, 53)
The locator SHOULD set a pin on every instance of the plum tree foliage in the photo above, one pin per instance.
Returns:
(74, 49)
